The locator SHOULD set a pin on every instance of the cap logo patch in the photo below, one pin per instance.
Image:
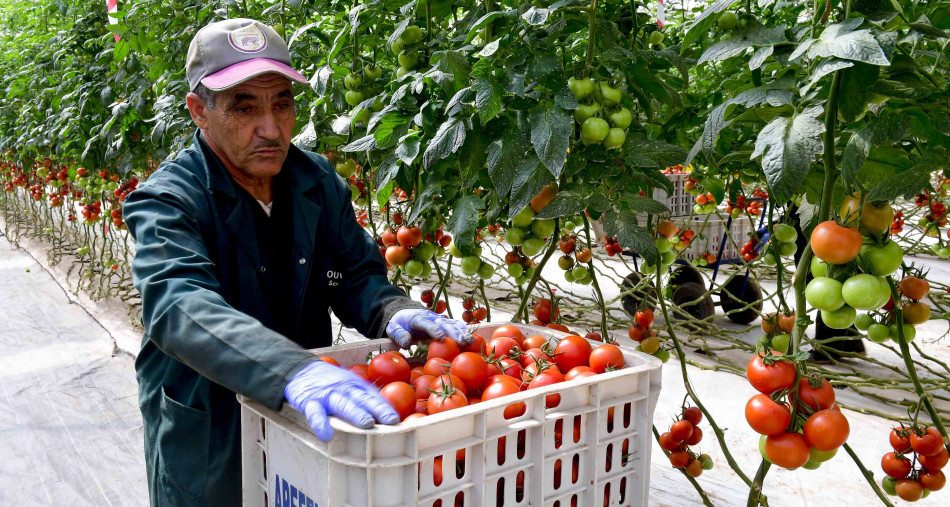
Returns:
(248, 39)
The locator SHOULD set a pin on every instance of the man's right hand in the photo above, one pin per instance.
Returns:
(321, 389)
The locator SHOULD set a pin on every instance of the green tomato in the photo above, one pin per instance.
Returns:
(361, 117)
(862, 292)
(354, 192)
(621, 118)
(426, 270)
(822, 456)
(888, 483)
(413, 268)
(811, 465)
(664, 356)
(568, 277)
(352, 81)
(372, 72)
(878, 333)
(454, 250)
(486, 271)
(566, 262)
(530, 271)
(727, 21)
(615, 138)
(663, 245)
(842, 318)
(765, 456)
(706, 461)
(648, 269)
(819, 268)
(424, 251)
(582, 88)
(515, 270)
(583, 281)
(882, 260)
(863, 322)
(353, 97)
(909, 332)
(824, 294)
(402, 71)
(944, 253)
(787, 249)
(585, 111)
(594, 130)
(408, 59)
(470, 265)
(785, 233)
(346, 168)
(580, 272)
(668, 257)
(769, 258)
(543, 228)
(514, 236)
(532, 246)
(609, 94)
(361, 201)
(524, 218)
(520, 280)
(411, 35)
(568, 226)
(698, 210)
(780, 342)
(656, 37)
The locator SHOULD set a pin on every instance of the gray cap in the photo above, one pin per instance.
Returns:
(227, 53)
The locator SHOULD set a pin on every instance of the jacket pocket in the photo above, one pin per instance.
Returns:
(183, 441)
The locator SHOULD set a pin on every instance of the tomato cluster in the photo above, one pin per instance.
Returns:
(897, 226)
(781, 244)
(915, 467)
(668, 241)
(473, 312)
(705, 259)
(750, 249)
(599, 100)
(679, 169)
(519, 266)
(428, 297)
(642, 332)
(683, 433)
(528, 234)
(800, 423)
(778, 328)
(575, 262)
(705, 204)
(612, 246)
(455, 376)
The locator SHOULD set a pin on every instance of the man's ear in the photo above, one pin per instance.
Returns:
(198, 110)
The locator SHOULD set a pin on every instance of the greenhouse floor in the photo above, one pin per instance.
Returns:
(71, 433)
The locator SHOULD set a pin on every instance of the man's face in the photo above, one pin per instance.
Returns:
(251, 124)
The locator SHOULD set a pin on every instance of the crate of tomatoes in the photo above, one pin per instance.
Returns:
(525, 415)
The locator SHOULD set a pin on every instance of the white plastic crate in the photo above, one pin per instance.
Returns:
(679, 202)
(709, 237)
(511, 462)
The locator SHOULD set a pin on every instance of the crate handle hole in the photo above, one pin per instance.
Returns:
(577, 429)
(519, 487)
(557, 474)
(625, 452)
(610, 452)
(626, 415)
(522, 443)
(460, 498)
(500, 493)
(437, 471)
(623, 490)
(610, 420)
(558, 433)
(575, 468)
(502, 446)
(606, 494)
(459, 463)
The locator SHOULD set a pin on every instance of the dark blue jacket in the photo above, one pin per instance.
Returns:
(197, 267)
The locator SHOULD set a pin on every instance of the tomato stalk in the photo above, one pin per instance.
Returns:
(591, 39)
(867, 475)
(593, 276)
(481, 289)
(522, 313)
(755, 491)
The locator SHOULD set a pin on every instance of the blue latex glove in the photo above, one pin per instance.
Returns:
(413, 322)
(321, 389)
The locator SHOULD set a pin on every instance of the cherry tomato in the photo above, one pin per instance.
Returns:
(532, 356)
(934, 462)
(916, 313)
(895, 465)
(927, 444)
(914, 288)
(361, 370)
(415, 373)
(536, 368)
(500, 347)
(696, 437)
(572, 351)
(637, 333)
(644, 318)
(667, 442)
(679, 459)
(546, 379)
(401, 396)
(509, 331)
(770, 378)
(389, 367)
(835, 244)
(932, 480)
(787, 450)
(446, 349)
(826, 430)
(436, 366)
(681, 430)
(534, 342)
(439, 403)
(422, 386)
(543, 311)
(874, 219)
(909, 490)
(471, 368)
(900, 440)
(477, 345)
(579, 371)
(694, 415)
(504, 378)
(606, 357)
(438, 384)
(767, 417)
(818, 398)
(504, 388)
(511, 367)
(694, 468)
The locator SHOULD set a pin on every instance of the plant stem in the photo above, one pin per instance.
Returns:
(755, 492)
(867, 475)
(593, 277)
(521, 314)
(591, 39)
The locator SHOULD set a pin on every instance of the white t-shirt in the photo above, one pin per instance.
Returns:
(267, 207)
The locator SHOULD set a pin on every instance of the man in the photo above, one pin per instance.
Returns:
(243, 244)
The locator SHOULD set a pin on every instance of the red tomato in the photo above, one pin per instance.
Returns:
(401, 396)
(436, 366)
(767, 417)
(503, 378)
(606, 357)
(900, 440)
(438, 403)
(637, 333)
(681, 430)
(512, 368)
(415, 373)
(422, 386)
(936, 461)
(696, 437)
(471, 368)
(534, 355)
(927, 444)
(667, 442)
(644, 318)
(422, 406)
(494, 369)
(504, 388)
(835, 244)
(389, 367)
(417, 415)
(932, 480)
(533, 342)
(558, 327)
(909, 490)
(819, 398)
(896, 465)
(693, 414)
(546, 379)
(477, 346)
(361, 370)
(510, 331)
(543, 311)
(438, 384)
(446, 349)
(572, 351)
(328, 359)
(539, 367)
(787, 450)
(579, 371)
(679, 459)
(501, 346)
(826, 430)
(770, 378)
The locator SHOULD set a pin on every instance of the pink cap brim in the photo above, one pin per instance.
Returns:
(248, 69)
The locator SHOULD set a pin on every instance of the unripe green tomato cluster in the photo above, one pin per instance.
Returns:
(529, 233)
(406, 49)
(472, 265)
(781, 244)
(596, 101)
(358, 87)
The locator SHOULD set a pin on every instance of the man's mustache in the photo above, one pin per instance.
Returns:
(267, 145)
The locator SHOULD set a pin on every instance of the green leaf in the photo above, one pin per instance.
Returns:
(384, 193)
(535, 16)
(568, 202)
(704, 22)
(855, 153)
(623, 226)
(927, 29)
(788, 146)
(408, 148)
(824, 68)
(456, 63)
(392, 126)
(488, 91)
(753, 35)
(530, 177)
(640, 150)
(551, 129)
(504, 155)
(856, 80)
(843, 41)
(640, 204)
(448, 139)
(365, 143)
(906, 185)
(464, 220)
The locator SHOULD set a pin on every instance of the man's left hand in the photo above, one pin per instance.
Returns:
(410, 323)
